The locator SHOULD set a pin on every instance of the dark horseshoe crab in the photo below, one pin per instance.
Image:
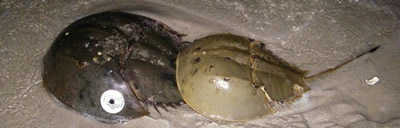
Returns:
(233, 78)
(111, 65)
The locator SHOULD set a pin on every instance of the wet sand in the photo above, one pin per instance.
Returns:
(313, 35)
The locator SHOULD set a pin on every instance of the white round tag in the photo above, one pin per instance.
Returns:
(112, 101)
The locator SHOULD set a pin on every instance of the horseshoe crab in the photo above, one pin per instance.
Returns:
(111, 65)
(230, 77)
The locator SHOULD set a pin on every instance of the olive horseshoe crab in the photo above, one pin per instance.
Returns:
(229, 77)
(233, 78)
(111, 65)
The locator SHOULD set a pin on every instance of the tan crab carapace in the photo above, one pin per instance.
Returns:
(233, 78)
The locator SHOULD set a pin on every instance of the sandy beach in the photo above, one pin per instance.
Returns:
(313, 35)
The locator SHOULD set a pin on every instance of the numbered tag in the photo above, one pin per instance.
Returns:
(112, 101)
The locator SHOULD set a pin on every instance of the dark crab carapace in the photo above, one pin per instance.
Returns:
(112, 65)
(233, 78)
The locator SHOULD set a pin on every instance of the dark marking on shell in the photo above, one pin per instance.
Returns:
(196, 60)
(227, 78)
(211, 67)
(197, 49)
(195, 71)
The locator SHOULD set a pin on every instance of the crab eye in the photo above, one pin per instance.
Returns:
(240, 88)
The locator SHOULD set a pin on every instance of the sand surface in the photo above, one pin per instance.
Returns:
(313, 35)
